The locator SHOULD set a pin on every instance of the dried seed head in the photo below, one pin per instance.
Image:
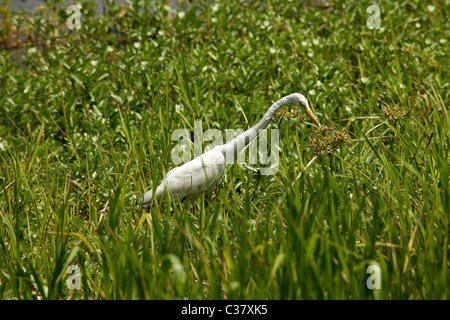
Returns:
(290, 114)
(327, 140)
(396, 113)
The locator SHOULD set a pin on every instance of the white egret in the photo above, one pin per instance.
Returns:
(195, 177)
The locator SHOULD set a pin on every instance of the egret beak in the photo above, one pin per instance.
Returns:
(312, 116)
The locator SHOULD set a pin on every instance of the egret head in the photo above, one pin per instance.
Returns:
(300, 101)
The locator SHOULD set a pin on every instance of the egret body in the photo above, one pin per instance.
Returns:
(195, 177)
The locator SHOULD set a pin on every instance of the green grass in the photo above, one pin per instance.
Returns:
(86, 118)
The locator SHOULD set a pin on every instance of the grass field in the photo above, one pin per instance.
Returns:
(86, 117)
